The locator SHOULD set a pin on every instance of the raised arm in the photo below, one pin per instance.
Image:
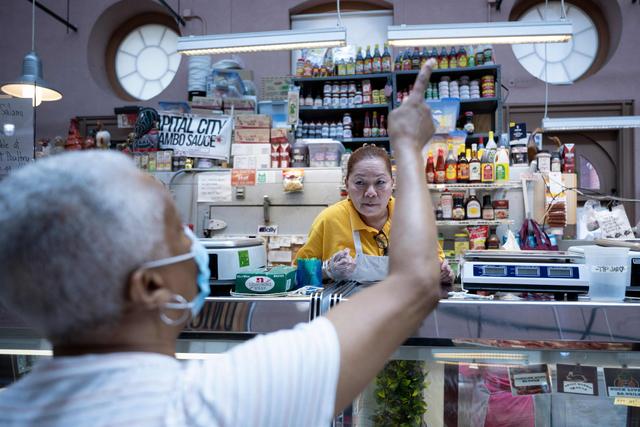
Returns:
(379, 319)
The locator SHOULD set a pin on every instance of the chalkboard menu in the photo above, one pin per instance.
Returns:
(16, 134)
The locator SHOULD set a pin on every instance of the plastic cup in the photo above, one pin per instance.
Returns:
(608, 272)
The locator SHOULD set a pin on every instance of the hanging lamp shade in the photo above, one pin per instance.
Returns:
(31, 81)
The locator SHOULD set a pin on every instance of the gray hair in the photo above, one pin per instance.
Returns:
(73, 227)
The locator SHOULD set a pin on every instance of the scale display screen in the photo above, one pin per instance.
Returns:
(560, 272)
(528, 271)
(495, 271)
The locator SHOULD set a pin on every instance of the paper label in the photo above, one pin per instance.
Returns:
(259, 283)
(608, 268)
(266, 177)
(525, 380)
(214, 187)
(243, 177)
(243, 258)
(267, 230)
(280, 256)
(531, 379)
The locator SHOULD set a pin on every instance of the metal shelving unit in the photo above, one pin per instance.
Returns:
(376, 76)
(459, 223)
(480, 186)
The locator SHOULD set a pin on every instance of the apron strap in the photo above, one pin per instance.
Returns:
(356, 242)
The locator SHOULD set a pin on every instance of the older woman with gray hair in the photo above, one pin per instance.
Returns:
(94, 256)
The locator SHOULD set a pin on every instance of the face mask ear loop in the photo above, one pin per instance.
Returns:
(180, 303)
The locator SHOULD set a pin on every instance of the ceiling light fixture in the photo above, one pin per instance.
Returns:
(590, 123)
(31, 83)
(262, 41)
(480, 33)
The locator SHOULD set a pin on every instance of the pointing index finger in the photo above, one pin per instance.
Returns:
(420, 86)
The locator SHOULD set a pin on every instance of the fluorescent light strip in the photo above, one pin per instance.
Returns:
(262, 41)
(590, 123)
(480, 33)
(492, 356)
(34, 352)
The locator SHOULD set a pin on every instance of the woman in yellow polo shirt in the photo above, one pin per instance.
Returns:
(352, 236)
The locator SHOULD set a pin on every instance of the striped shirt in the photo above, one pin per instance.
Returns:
(287, 378)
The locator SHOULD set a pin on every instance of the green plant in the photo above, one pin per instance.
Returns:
(398, 394)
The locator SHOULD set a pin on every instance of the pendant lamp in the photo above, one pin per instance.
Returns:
(31, 84)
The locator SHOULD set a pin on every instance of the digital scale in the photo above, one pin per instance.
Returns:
(524, 271)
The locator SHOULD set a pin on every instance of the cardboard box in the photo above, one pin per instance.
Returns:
(204, 103)
(252, 161)
(279, 136)
(250, 149)
(252, 136)
(266, 280)
(253, 121)
(275, 88)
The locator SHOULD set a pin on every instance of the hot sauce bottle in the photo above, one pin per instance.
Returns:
(440, 168)
(430, 169)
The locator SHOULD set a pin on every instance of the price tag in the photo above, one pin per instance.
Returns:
(627, 401)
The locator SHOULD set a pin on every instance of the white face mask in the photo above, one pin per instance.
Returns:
(199, 253)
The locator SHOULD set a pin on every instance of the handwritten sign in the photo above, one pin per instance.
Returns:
(608, 268)
(214, 187)
(193, 135)
(16, 134)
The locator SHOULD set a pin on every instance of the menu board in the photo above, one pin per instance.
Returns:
(16, 133)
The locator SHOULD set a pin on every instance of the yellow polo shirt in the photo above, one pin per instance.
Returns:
(332, 232)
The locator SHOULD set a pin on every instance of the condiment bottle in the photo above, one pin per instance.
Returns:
(366, 130)
(375, 130)
(556, 163)
(383, 126)
(415, 59)
(475, 174)
(386, 59)
(544, 161)
(446, 203)
(459, 210)
(440, 168)
(492, 241)
(368, 61)
(473, 209)
(463, 166)
(443, 59)
(502, 164)
(359, 62)
(451, 169)
(376, 65)
(430, 169)
(487, 208)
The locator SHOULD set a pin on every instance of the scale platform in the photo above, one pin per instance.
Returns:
(524, 271)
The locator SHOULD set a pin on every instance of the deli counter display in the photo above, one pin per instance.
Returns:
(471, 363)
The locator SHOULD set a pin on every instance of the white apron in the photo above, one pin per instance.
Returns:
(369, 268)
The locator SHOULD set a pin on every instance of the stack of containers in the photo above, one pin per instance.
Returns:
(474, 89)
(251, 148)
(488, 86)
(465, 92)
(443, 87)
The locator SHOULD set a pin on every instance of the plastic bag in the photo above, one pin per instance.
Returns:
(532, 237)
(292, 179)
(225, 83)
(478, 237)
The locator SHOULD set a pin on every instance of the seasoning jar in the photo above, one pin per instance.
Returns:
(460, 244)
(446, 201)
(543, 159)
(458, 212)
(327, 88)
(501, 209)
(487, 208)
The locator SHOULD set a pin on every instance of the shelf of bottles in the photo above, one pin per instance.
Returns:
(479, 186)
(350, 108)
(371, 76)
(474, 222)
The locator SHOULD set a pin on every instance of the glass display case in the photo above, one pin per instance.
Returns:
(472, 363)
